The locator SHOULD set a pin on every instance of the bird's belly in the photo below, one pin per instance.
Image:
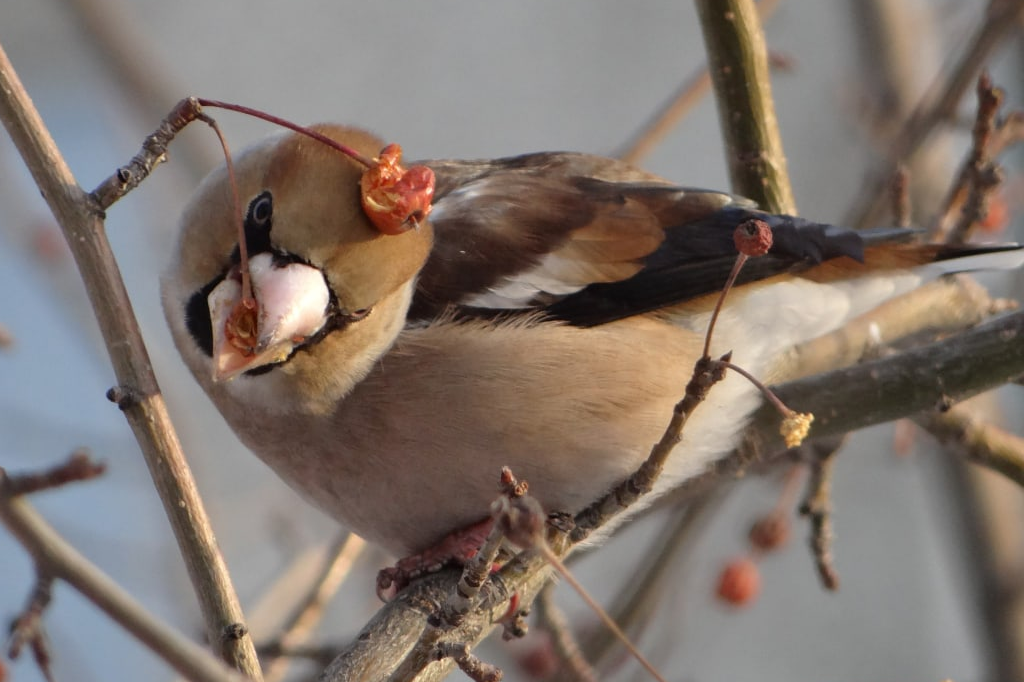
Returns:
(415, 451)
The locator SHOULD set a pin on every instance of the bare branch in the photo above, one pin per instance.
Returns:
(938, 105)
(900, 385)
(28, 626)
(152, 154)
(57, 558)
(78, 467)
(475, 669)
(978, 176)
(706, 374)
(81, 219)
(980, 443)
(739, 70)
(306, 614)
(817, 506)
(572, 665)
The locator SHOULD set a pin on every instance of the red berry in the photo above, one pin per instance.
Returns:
(997, 216)
(770, 532)
(739, 582)
(540, 661)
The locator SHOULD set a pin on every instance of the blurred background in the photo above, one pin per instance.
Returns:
(468, 79)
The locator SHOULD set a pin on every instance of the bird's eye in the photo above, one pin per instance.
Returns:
(257, 223)
(261, 209)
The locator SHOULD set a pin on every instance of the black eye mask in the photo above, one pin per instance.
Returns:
(257, 225)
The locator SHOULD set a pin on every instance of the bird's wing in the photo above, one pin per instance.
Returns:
(590, 240)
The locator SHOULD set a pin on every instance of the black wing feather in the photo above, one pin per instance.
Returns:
(696, 259)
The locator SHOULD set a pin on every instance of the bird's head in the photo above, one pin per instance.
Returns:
(321, 273)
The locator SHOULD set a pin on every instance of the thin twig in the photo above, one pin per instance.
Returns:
(80, 216)
(473, 667)
(56, 557)
(706, 373)
(28, 626)
(78, 467)
(307, 613)
(607, 620)
(981, 443)
(817, 506)
(978, 177)
(522, 521)
(938, 105)
(644, 590)
(572, 665)
(153, 153)
(902, 210)
(478, 569)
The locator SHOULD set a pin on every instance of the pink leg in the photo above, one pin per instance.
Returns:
(456, 548)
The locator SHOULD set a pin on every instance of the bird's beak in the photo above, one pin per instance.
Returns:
(291, 305)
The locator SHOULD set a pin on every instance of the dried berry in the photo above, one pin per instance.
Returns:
(770, 532)
(753, 238)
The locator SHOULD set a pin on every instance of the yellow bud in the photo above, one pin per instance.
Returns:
(795, 427)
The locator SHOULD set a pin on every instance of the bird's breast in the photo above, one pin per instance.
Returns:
(415, 450)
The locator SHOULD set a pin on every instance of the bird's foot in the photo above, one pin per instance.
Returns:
(454, 549)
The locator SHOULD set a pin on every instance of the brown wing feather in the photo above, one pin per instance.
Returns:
(529, 228)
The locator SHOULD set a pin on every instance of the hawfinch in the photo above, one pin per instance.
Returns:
(545, 316)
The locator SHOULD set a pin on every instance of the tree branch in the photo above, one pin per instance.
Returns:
(738, 62)
(60, 560)
(925, 378)
(981, 443)
(138, 392)
(938, 105)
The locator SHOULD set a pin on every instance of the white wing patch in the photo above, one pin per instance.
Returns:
(761, 322)
(553, 275)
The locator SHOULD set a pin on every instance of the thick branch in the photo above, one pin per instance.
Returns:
(138, 395)
(397, 628)
(900, 385)
(738, 62)
(949, 304)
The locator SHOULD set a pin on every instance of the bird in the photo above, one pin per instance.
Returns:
(543, 312)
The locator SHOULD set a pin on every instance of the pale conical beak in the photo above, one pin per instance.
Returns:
(291, 305)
